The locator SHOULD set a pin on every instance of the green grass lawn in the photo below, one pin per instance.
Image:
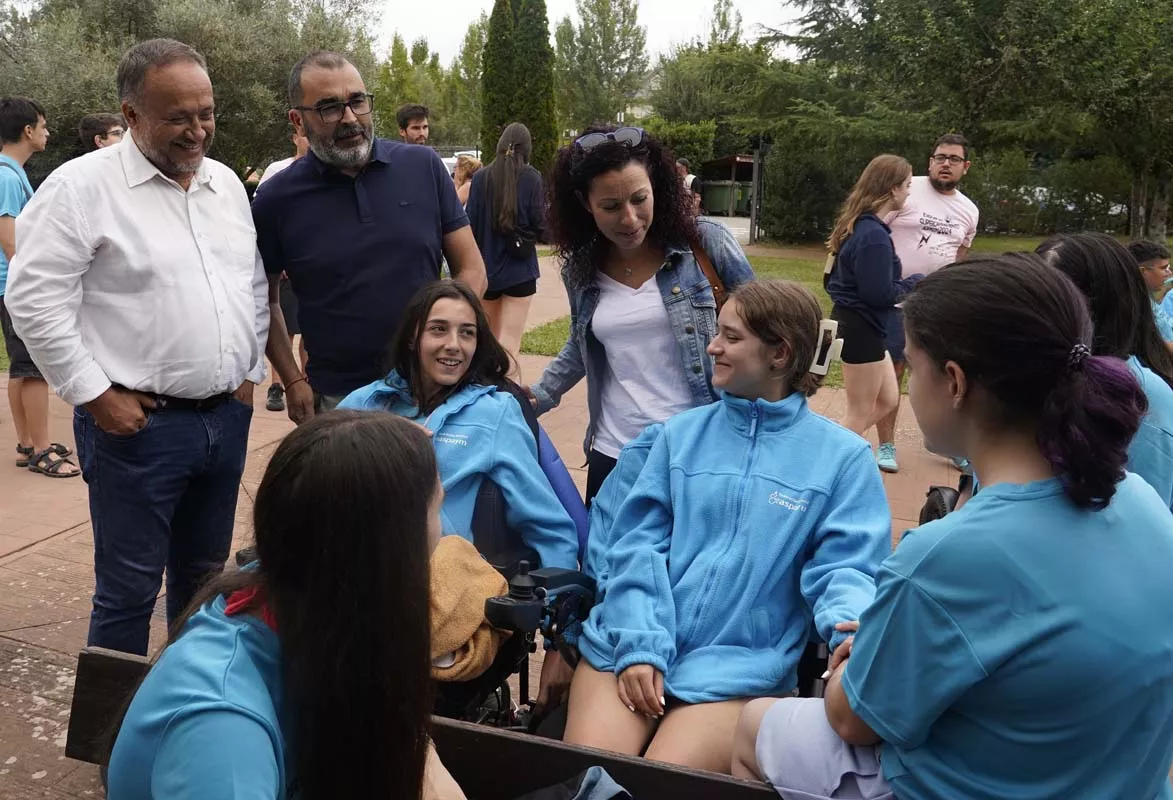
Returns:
(547, 340)
(1006, 244)
(3, 356)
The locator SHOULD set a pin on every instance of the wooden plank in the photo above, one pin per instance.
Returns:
(105, 682)
(496, 764)
(480, 757)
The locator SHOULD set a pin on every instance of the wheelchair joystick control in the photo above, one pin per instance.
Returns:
(523, 586)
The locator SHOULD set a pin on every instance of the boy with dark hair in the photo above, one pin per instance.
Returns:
(100, 130)
(413, 123)
(23, 133)
(1153, 260)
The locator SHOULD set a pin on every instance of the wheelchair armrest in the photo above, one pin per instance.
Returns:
(508, 563)
(553, 579)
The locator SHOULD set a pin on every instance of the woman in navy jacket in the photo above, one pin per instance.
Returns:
(865, 284)
(506, 209)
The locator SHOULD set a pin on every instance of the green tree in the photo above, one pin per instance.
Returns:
(603, 65)
(500, 78)
(566, 77)
(65, 54)
(725, 25)
(691, 140)
(723, 83)
(419, 52)
(535, 97)
(395, 85)
(463, 85)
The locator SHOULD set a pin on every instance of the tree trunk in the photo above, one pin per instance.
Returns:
(1136, 211)
(1159, 212)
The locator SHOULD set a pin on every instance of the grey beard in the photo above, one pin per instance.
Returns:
(171, 168)
(328, 153)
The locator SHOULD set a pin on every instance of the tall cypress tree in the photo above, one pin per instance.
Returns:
(499, 81)
(534, 62)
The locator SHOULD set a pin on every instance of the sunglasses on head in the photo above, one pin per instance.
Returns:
(632, 137)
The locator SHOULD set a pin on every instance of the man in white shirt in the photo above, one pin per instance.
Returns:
(138, 291)
(301, 146)
(935, 228)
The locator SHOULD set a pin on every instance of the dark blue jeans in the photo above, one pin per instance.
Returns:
(164, 497)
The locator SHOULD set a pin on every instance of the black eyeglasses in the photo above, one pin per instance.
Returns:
(632, 137)
(333, 112)
(940, 158)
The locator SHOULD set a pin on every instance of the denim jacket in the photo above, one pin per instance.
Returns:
(692, 313)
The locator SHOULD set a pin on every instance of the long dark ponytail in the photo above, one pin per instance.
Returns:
(1021, 330)
(341, 526)
(1121, 310)
(503, 175)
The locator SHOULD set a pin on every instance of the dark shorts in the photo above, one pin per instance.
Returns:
(20, 363)
(862, 344)
(289, 307)
(527, 289)
(894, 338)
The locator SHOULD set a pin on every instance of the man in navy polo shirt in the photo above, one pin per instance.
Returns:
(358, 224)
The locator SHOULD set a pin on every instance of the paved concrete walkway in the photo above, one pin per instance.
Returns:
(46, 565)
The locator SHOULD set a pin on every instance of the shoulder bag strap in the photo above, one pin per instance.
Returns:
(702, 258)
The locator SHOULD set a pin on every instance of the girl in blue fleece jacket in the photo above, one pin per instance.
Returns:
(752, 519)
(446, 367)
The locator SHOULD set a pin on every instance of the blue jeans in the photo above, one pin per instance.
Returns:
(164, 497)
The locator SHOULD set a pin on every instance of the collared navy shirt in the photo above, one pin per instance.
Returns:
(356, 250)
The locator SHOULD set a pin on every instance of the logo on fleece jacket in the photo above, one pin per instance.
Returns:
(452, 438)
(788, 502)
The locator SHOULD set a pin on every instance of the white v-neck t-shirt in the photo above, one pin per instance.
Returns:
(643, 381)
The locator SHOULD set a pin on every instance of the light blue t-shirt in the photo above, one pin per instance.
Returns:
(1022, 647)
(205, 722)
(1164, 321)
(1151, 453)
(15, 192)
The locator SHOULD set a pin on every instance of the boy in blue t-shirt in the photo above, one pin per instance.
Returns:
(1153, 259)
(22, 133)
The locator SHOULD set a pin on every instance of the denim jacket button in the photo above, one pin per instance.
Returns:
(675, 290)
(690, 329)
(697, 368)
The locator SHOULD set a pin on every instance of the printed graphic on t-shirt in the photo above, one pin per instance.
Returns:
(931, 227)
(941, 236)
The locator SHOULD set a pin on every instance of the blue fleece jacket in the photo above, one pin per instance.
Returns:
(480, 433)
(867, 270)
(609, 499)
(747, 519)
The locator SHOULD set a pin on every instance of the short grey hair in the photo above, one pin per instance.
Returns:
(132, 70)
(322, 59)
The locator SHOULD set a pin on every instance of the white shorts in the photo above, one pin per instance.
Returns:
(802, 757)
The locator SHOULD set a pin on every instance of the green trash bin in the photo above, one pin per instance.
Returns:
(715, 199)
(744, 192)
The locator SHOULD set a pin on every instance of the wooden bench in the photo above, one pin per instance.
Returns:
(489, 763)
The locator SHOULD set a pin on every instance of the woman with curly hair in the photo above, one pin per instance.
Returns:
(642, 310)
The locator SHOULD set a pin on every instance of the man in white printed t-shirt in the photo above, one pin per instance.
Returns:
(935, 228)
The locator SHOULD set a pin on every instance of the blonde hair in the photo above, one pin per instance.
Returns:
(785, 312)
(466, 167)
(870, 192)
